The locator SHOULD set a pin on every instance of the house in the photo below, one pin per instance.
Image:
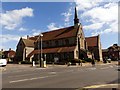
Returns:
(1, 53)
(94, 46)
(105, 54)
(9, 55)
(24, 47)
(113, 52)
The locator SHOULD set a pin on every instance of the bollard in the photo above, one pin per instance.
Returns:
(44, 64)
(33, 63)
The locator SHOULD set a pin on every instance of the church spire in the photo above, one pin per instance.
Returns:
(76, 20)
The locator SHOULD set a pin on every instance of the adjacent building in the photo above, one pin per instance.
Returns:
(94, 46)
(113, 52)
(8, 54)
(24, 48)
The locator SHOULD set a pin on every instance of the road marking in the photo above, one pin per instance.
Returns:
(66, 71)
(105, 68)
(111, 66)
(22, 75)
(31, 79)
(52, 72)
(93, 68)
(103, 85)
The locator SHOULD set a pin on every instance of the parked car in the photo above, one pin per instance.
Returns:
(3, 61)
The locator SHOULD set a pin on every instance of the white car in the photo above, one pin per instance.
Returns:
(3, 61)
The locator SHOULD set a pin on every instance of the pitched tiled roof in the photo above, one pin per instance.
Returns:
(28, 42)
(92, 41)
(104, 50)
(33, 38)
(51, 35)
(115, 47)
(11, 53)
(60, 33)
(53, 50)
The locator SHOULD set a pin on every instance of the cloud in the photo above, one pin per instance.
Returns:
(22, 29)
(12, 19)
(93, 26)
(113, 28)
(102, 19)
(52, 26)
(103, 14)
(36, 32)
(7, 38)
(87, 4)
(67, 16)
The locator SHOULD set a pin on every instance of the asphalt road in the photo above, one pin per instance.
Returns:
(60, 77)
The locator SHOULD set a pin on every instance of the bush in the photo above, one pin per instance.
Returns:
(83, 61)
(88, 59)
(26, 62)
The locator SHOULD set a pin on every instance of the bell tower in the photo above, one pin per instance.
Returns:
(76, 20)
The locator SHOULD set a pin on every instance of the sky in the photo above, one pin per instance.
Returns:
(19, 19)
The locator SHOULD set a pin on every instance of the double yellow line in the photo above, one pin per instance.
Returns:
(104, 86)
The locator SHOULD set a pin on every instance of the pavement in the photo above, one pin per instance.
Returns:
(83, 64)
(10, 66)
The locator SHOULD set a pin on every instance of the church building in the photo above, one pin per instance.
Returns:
(61, 45)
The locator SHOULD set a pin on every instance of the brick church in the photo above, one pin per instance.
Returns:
(61, 45)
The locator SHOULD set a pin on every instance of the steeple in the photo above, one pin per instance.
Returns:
(76, 20)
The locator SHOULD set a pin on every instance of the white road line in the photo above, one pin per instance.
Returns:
(31, 79)
(93, 68)
(52, 72)
(21, 75)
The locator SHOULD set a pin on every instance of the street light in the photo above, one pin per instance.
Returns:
(40, 60)
(41, 49)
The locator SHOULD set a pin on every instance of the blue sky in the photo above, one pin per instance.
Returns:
(19, 19)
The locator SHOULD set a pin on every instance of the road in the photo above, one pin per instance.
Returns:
(60, 77)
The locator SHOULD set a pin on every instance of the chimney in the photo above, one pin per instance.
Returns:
(27, 36)
(9, 49)
(1, 49)
(115, 45)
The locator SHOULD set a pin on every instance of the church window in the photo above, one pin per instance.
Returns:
(56, 43)
(47, 44)
(67, 42)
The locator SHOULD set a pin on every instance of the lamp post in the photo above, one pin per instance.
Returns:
(40, 48)
(41, 35)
